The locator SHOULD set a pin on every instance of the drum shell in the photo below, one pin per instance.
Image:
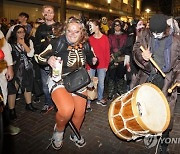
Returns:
(129, 118)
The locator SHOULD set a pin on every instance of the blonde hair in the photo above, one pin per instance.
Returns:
(84, 35)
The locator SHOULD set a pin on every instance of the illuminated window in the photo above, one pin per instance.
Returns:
(138, 4)
(125, 1)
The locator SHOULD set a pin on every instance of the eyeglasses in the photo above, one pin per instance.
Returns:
(20, 32)
(117, 25)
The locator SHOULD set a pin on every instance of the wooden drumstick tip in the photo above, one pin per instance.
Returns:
(171, 89)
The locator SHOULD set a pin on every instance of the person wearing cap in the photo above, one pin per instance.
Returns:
(163, 47)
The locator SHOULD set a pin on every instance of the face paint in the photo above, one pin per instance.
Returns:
(140, 25)
(158, 35)
(104, 20)
(48, 14)
(91, 28)
(74, 32)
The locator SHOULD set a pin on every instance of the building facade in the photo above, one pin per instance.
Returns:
(176, 8)
(124, 9)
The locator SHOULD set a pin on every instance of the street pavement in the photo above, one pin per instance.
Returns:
(37, 129)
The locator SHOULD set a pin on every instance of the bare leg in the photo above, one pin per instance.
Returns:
(79, 112)
(12, 98)
(65, 105)
(27, 96)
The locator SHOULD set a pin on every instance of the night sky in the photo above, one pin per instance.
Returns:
(164, 6)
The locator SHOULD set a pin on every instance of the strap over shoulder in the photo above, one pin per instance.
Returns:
(86, 47)
(61, 45)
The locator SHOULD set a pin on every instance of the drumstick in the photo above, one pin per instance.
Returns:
(171, 89)
(154, 63)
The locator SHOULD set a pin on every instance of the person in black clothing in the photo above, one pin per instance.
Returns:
(116, 70)
(37, 83)
(163, 45)
(131, 66)
(74, 50)
(42, 38)
(22, 52)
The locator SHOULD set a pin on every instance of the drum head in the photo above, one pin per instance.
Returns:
(152, 108)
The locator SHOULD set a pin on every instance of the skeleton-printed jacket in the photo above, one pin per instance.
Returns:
(72, 56)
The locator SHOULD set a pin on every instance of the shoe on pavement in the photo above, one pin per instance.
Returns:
(30, 107)
(12, 130)
(46, 109)
(18, 97)
(102, 102)
(110, 98)
(12, 114)
(88, 109)
(79, 143)
(57, 139)
(36, 100)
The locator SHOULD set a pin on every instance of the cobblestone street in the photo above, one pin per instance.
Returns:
(37, 129)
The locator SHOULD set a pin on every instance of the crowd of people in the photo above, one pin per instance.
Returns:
(108, 50)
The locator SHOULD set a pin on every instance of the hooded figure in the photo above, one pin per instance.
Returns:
(164, 48)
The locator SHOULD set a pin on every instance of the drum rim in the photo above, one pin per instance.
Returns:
(136, 113)
(114, 130)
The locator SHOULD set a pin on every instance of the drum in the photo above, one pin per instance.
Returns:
(142, 111)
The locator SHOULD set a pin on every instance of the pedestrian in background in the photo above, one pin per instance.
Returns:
(42, 40)
(22, 52)
(100, 45)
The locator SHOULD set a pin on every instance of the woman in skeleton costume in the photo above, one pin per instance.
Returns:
(73, 51)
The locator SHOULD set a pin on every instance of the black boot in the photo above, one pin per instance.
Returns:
(30, 107)
(12, 114)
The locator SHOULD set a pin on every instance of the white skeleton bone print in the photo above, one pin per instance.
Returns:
(75, 56)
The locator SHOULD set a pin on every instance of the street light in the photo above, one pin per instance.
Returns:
(109, 1)
(147, 11)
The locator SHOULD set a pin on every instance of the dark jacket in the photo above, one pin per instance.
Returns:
(146, 67)
(62, 48)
